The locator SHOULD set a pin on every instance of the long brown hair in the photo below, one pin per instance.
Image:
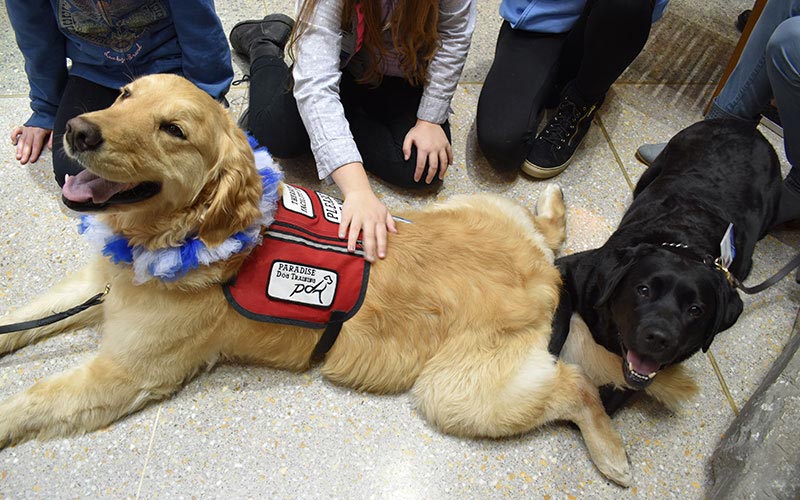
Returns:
(414, 28)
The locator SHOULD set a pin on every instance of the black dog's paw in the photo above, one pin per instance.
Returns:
(613, 399)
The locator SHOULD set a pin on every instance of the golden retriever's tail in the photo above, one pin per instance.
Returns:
(551, 216)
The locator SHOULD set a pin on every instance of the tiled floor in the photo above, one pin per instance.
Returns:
(247, 432)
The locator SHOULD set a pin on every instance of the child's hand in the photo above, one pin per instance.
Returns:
(362, 212)
(433, 148)
(30, 141)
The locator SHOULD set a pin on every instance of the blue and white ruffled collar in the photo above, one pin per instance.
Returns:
(170, 264)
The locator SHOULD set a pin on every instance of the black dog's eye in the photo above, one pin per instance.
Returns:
(173, 130)
(643, 290)
(695, 311)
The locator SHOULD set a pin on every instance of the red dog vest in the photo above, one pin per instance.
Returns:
(302, 273)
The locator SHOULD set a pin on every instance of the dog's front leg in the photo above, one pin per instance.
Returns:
(71, 291)
(86, 398)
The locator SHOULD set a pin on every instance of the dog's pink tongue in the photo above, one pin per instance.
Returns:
(87, 186)
(641, 366)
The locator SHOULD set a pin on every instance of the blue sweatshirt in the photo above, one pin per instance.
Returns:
(111, 42)
(552, 16)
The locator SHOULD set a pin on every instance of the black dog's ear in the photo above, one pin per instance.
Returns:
(729, 307)
(619, 263)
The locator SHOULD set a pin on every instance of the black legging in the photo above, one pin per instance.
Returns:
(379, 119)
(529, 68)
(80, 96)
(604, 41)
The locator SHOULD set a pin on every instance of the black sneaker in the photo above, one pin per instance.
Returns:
(741, 21)
(555, 146)
(272, 32)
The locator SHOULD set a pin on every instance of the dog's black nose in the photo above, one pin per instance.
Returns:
(655, 341)
(83, 135)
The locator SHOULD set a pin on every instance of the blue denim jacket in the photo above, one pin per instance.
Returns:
(552, 16)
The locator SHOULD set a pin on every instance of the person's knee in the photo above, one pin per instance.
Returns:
(783, 49)
(503, 151)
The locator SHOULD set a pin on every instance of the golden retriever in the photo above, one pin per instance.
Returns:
(459, 311)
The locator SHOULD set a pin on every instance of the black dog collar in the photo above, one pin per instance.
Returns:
(684, 250)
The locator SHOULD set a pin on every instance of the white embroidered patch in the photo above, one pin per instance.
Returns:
(331, 208)
(302, 284)
(297, 201)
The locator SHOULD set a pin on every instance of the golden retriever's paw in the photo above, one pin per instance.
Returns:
(9, 433)
(5, 440)
(616, 468)
(551, 216)
(551, 201)
(21, 419)
(8, 342)
(607, 450)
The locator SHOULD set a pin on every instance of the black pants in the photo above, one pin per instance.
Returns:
(80, 96)
(530, 68)
(379, 119)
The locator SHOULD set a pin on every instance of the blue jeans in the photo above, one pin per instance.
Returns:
(769, 66)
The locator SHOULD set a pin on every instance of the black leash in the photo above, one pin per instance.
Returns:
(35, 323)
(789, 267)
(686, 251)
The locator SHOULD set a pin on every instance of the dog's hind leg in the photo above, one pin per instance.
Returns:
(508, 387)
(551, 216)
(66, 294)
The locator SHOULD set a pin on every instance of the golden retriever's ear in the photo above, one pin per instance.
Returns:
(235, 190)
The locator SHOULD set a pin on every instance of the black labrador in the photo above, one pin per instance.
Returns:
(652, 294)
